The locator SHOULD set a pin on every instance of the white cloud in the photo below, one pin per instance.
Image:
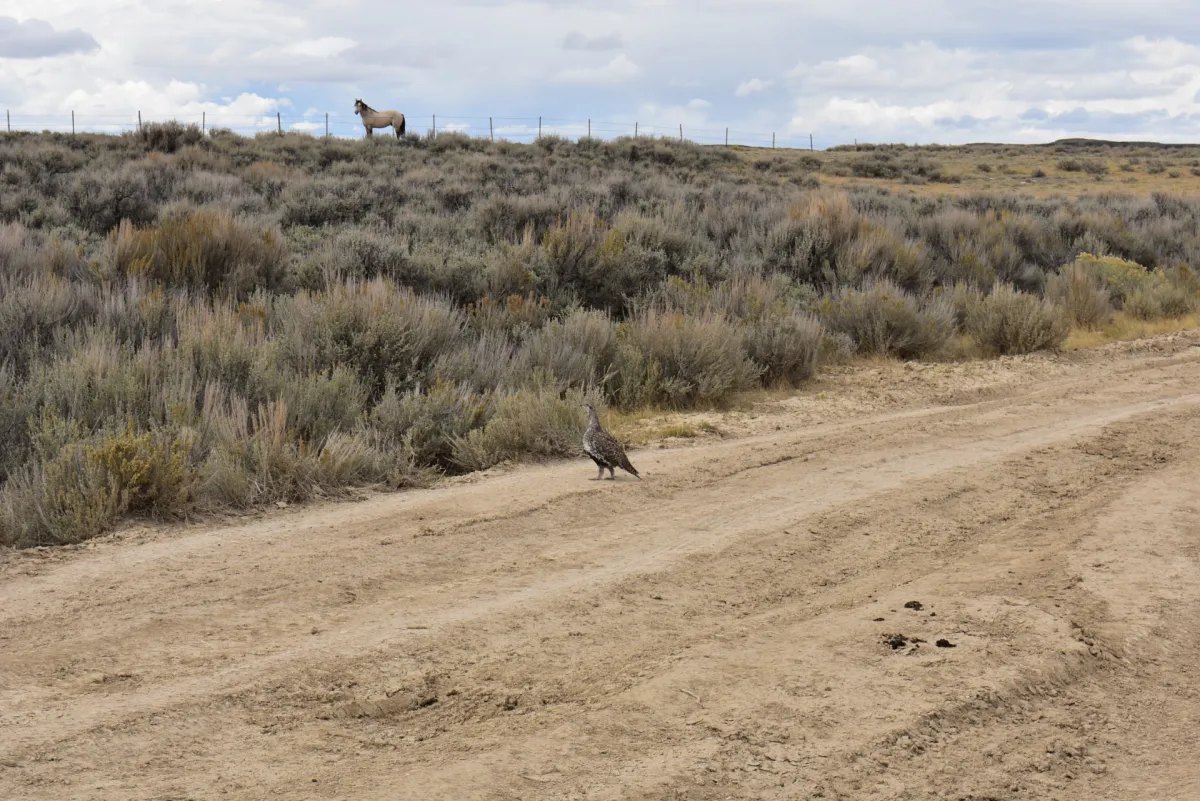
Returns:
(619, 70)
(35, 38)
(1131, 89)
(577, 41)
(926, 69)
(323, 47)
(664, 120)
(753, 87)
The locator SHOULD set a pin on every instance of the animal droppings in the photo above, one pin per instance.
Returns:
(898, 641)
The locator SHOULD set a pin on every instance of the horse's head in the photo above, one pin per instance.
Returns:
(359, 106)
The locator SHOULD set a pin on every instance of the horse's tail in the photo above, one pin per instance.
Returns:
(402, 125)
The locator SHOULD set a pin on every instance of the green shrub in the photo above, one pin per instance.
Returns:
(598, 266)
(836, 348)
(77, 488)
(1081, 294)
(35, 310)
(883, 319)
(169, 136)
(787, 347)
(323, 201)
(680, 360)
(356, 254)
(577, 352)
(1158, 299)
(257, 459)
(515, 316)
(319, 403)
(531, 423)
(99, 203)
(1010, 322)
(490, 362)
(384, 333)
(962, 297)
(65, 500)
(879, 165)
(427, 424)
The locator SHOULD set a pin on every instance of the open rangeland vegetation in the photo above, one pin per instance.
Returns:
(193, 323)
(961, 563)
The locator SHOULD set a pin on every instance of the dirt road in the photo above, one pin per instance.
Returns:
(759, 618)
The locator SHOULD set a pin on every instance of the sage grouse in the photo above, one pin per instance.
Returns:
(604, 449)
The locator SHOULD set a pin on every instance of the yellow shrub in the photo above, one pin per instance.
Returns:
(202, 248)
(150, 472)
(1121, 277)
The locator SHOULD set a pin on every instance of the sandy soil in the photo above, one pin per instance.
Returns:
(758, 618)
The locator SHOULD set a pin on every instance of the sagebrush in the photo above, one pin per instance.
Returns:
(191, 321)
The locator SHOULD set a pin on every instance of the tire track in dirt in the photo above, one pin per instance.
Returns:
(692, 531)
(516, 563)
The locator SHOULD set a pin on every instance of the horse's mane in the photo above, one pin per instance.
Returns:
(367, 107)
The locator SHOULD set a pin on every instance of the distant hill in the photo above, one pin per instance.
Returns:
(1081, 142)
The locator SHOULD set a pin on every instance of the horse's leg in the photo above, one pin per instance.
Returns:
(369, 132)
(396, 128)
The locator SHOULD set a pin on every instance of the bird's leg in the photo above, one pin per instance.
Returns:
(599, 475)
(612, 476)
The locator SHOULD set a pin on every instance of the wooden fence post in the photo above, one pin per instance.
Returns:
(772, 140)
(589, 129)
(72, 122)
(279, 123)
(326, 124)
(539, 126)
(810, 144)
(203, 122)
(726, 137)
(435, 126)
(491, 130)
(139, 121)
(681, 132)
(635, 126)
(8, 119)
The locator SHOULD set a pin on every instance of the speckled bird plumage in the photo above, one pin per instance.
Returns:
(604, 449)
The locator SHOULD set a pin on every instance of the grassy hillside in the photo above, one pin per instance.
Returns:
(1069, 169)
(193, 323)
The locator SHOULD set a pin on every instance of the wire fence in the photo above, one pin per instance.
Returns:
(512, 129)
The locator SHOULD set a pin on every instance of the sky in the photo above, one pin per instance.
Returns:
(922, 71)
